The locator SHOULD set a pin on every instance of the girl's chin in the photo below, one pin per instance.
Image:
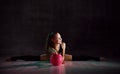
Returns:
(60, 43)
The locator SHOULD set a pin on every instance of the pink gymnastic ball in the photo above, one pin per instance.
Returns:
(56, 59)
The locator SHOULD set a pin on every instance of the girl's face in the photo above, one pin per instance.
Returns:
(57, 39)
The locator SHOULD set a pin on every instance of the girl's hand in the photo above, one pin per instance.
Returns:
(63, 45)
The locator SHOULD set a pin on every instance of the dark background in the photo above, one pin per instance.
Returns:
(89, 27)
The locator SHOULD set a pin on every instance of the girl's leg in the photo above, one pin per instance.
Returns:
(85, 58)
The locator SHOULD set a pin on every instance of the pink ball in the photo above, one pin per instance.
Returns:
(56, 59)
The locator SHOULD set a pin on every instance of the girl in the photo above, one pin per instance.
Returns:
(54, 44)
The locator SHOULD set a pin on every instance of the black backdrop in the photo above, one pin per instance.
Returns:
(89, 27)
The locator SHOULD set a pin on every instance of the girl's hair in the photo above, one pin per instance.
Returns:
(49, 42)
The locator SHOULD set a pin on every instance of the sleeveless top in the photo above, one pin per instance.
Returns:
(52, 50)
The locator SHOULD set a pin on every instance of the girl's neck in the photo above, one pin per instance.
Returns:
(57, 47)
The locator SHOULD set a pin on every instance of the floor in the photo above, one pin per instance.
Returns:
(70, 67)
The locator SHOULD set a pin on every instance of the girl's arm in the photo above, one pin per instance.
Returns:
(63, 45)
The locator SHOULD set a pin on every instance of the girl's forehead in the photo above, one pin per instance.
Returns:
(57, 35)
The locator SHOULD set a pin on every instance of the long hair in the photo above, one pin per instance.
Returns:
(49, 42)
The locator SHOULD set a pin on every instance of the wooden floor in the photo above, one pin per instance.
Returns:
(70, 67)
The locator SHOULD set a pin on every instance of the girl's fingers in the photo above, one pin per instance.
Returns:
(63, 45)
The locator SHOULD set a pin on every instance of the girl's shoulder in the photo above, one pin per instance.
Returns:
(52, 50)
